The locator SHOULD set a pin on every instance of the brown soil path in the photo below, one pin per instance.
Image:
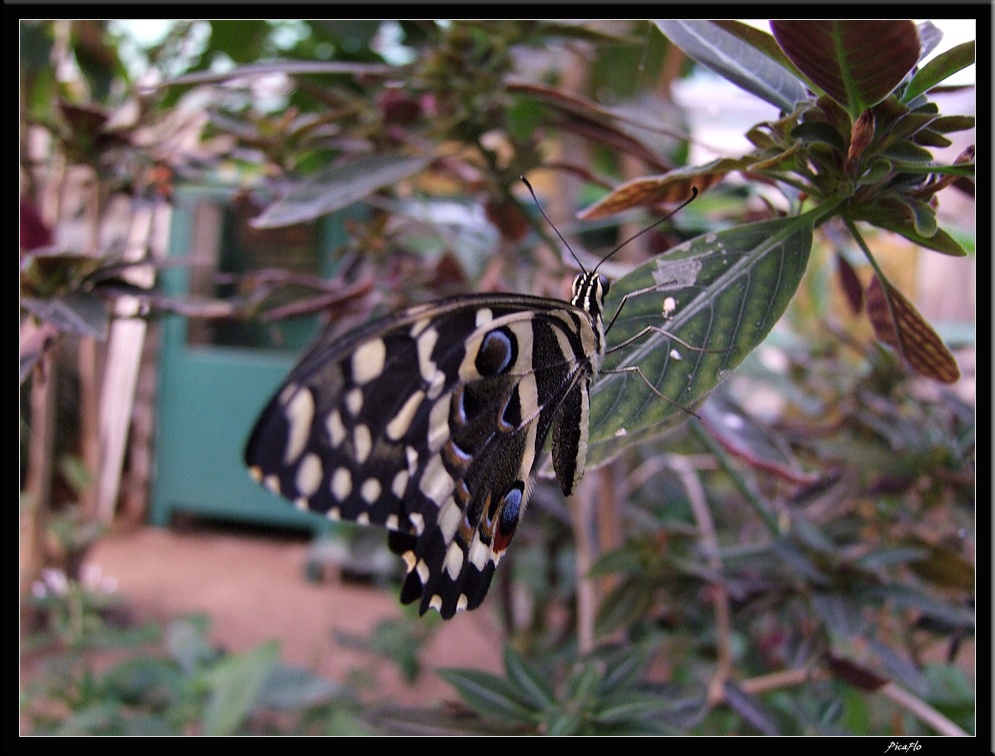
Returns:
(253, 588)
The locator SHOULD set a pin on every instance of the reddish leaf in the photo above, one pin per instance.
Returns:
(590, 120)
(857, 63)
(34, 232)
(860, 139)
(674, 186)
(899, 325)
(850, 284)
(507, 217)
(944, 566)
(857, 676)
(612, 138)
(942, 182)
(740, 435)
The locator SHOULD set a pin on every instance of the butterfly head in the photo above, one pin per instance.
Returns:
(589, 292)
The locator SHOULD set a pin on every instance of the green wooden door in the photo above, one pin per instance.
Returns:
(215, 377)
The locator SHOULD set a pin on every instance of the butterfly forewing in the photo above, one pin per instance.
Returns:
(429, 423)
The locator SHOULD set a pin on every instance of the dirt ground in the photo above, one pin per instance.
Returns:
(253, 587)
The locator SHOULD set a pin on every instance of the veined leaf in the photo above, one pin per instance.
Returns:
(898, 324)
(719, 293)
(489, 695)
(537, 688)
(733, 59)
(673, 186)
(77, 312)
(340, 186)
(891, 216)
(857, 63)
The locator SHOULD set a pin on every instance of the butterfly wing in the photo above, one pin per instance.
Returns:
(429, 423)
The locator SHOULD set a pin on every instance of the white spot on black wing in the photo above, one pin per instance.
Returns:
(368, 361)
(362, 443)
(401, 422)
(299, 412)
(370, 490)
(341, 484)
(309, 475)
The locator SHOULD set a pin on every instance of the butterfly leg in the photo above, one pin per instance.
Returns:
(625, 298)
(635, 369)
(662, 332)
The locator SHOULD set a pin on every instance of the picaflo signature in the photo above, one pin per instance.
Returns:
(907, 747)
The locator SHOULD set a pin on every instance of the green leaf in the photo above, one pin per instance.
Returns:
(624, 667)
(911, 598)
(879, 559)
(563, 724)
(898, 220)
(931, 138)
(877, 172)
(842, 615)
(894, 125)
(338, 187)
(923, 216)
(761, 40)
(945, 567)
(293, 688)
(235, 684)
(948, 686)
(583, 682)
(627, 603)
(627, 706)
(750, 708)
(533, 685)
(791, 555)
(240, 39)
(145, 681)
(947, 124)
(487, 694)
(186, 642)
(819, 131)
(940, 68)
(78, 313)
(857, 63)
(733, 59)
(727, 290)
(907, 151)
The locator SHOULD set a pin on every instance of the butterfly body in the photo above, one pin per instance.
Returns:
(430, 423)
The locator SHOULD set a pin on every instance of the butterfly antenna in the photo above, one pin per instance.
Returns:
(552, 225)
(668, 216)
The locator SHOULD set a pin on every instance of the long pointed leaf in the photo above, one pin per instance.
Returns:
(488, 694)
(899, 324)
(733, 59)
(340, 186)
(236, 683)
(672, 186)
(941, 67)
(537, 688)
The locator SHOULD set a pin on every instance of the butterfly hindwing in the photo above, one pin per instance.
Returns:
(429, 423)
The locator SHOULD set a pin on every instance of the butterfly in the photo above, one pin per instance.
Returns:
(430, 423)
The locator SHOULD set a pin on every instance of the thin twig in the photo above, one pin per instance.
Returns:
(710, 547)
(581, 506)
(921, 709)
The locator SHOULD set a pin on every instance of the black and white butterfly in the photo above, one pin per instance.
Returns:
(430, 422)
